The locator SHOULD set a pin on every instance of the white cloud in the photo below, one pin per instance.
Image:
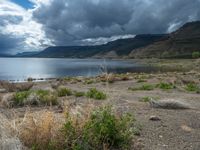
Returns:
(104, 40)
(18, 22)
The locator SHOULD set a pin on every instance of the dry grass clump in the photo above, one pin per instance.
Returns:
(14, 87)
(8, 138)
(39, 130)
(62, 91)
(99, 129)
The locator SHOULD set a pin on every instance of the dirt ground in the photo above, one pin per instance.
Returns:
(176, 129)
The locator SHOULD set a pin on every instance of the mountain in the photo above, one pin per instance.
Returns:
(118, 48)
(25, 54)
(180, 44)
(5, 55)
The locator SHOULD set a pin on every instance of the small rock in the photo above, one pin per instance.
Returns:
(3, 90)
(154, 118)
(186, 128)
(169, 104)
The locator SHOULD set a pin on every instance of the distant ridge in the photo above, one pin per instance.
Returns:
(121, 47)
(5, 55)
(180, 44)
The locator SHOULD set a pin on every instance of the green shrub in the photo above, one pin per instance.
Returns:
(105, 129)
(146, 99)
(46, 97)
(89, 81)
(64, 92)
(145, 87)
(141, 80)
(165, 86)
(20, 97)
(79, 94)
(196, 55)
(191, 87)
(95, 94)
(102, 130)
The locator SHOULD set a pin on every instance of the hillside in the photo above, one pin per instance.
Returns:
(121, 47)
(5, 55)
(180, 44)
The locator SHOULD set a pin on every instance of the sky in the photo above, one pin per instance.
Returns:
(33, 25)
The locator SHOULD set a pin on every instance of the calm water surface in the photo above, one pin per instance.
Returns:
(19, 69)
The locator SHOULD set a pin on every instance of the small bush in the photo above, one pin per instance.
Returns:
(141, 80)
(43, 97)
(95, 94)
(196, 55)
(191, 87)
(20, 97)
(145, 87)
(165, 86)
(89, 81)
(46, 97)
(64, 92)
(79, 94)
(148, 99)
(103, 130)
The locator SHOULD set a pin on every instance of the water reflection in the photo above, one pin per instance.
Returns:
(23, 68)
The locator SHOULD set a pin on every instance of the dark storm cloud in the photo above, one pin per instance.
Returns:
(69, 22)
(8, 43)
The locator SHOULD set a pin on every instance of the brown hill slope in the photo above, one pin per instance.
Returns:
(180, 44)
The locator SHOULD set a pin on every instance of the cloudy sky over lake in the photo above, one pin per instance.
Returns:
(28, 25)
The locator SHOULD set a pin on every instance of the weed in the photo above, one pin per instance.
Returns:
(165, 86)
(64, 92)
(191, 87)
(141, 80)
(144, 87)
(103, 130)
(46, 97)
(148, 99)
(196, 54)
(89, 81)
(79, 94)
(20, 97)
(95, 94)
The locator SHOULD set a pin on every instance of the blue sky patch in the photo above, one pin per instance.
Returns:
(24, 3)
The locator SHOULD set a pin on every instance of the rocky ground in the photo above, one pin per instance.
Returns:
(171, 122)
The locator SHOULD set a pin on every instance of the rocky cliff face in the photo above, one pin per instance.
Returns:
(179, 44)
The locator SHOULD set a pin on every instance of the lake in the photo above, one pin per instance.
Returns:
(19, 69)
